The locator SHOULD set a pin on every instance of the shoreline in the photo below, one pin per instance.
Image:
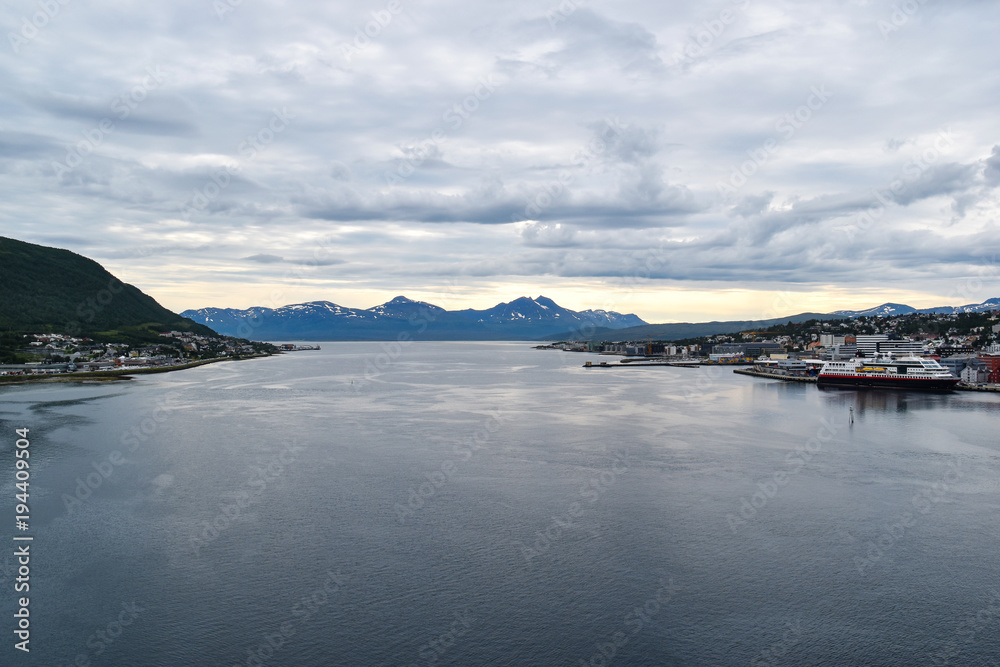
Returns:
(116, 375)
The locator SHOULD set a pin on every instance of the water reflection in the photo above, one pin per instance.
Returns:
(902, 401)
(718, 494)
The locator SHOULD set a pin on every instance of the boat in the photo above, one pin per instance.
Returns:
(884, 371)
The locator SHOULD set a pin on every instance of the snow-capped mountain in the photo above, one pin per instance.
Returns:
(300, 316)
(885, 310)
(523, 318)
(403, 307)
(611, 319)
(544, 309)
(890, 309)
(989, 304)
(523, 309)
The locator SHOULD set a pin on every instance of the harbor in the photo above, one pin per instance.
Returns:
(770, 372)
(866, 362)
(786, 377)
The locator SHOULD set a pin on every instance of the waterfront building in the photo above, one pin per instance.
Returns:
(957, 363)
(975, 375)
(992, 365)
(748, 349)
(788, 366)
(869, 345)
(839, 352)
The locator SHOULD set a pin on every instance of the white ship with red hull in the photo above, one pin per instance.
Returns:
(887, 372)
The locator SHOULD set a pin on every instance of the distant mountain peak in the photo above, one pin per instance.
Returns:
(402, 306)
(524, 317)
(546, 302)
(890, 309)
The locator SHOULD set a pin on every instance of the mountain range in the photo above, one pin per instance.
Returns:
(683, 330)
(890, 309)
(50, 289)
(521, 319)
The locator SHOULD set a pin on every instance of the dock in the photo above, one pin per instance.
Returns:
(775, 376)
(605, 364)
(961, 386)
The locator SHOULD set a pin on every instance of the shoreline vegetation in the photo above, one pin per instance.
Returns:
(119, 374)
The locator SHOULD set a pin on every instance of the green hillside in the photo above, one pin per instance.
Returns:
(54, 290)
(686, 330)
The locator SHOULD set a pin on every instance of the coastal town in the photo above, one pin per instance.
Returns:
(967, 345)
(64, 354)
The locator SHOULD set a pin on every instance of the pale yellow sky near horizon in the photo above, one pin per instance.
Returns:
(652, 303)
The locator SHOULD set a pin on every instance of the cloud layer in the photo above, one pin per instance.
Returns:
(605, 154)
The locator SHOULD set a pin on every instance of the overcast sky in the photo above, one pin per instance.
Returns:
(683, 161)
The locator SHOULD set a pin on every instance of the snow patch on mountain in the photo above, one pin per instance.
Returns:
(890, 309)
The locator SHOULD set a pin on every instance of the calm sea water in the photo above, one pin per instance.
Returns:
(491, 504)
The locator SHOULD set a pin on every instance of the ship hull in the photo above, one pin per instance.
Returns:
(860, 382)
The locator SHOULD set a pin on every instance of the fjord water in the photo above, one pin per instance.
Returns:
(492, 504)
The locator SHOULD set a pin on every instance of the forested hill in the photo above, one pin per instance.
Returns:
(49, 289)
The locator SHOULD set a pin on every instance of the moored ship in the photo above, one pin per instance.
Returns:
(888, 372)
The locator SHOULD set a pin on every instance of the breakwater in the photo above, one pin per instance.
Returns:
(775, 376)
(605, 364)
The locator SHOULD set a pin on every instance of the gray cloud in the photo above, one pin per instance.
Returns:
(992, 173)
(515, 142)
(265, 259)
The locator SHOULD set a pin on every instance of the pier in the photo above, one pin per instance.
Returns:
(775, 376)
(961, 386)
(605, 364)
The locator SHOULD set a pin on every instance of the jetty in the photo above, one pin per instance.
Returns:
(962, 386)
(639, 364)
(775, 375)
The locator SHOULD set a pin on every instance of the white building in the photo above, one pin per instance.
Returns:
(975, 375)
(869, 345)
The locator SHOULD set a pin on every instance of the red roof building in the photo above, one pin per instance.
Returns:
(993, 365)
